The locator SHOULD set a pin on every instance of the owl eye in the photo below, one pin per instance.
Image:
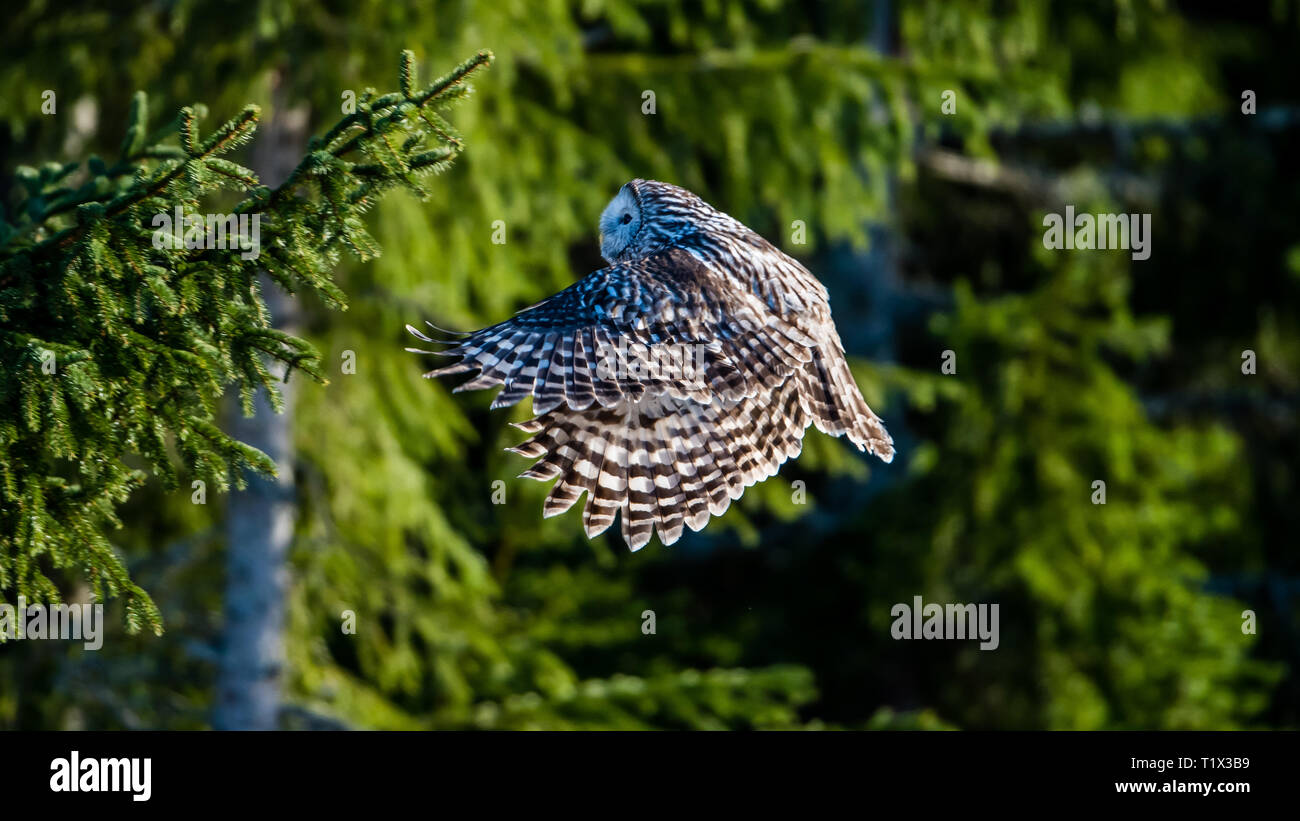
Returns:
(627, 218)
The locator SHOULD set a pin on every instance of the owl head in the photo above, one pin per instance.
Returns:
(647, 216)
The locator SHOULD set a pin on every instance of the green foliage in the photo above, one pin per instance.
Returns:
(1101, 602)
(119, 340)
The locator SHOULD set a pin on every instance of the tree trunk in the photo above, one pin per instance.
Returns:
(260, 520)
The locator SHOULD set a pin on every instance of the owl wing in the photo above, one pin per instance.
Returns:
(598, 341)
(663, 464)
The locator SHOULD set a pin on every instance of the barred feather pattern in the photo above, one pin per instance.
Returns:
(665, 463)
(668, 382)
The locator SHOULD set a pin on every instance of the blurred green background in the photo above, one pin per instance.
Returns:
(925, 225)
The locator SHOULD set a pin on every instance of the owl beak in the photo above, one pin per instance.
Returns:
(602, 238)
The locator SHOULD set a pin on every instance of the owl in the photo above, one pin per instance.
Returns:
(666, 383)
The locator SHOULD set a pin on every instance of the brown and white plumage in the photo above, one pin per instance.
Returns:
(668, 447)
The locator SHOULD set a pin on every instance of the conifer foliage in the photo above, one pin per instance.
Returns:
(114, 351)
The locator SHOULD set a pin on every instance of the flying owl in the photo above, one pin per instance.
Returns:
(668, 382)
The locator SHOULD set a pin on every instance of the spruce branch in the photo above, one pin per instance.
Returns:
(117, 342)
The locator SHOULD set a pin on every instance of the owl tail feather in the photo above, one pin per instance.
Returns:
(832, 398)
